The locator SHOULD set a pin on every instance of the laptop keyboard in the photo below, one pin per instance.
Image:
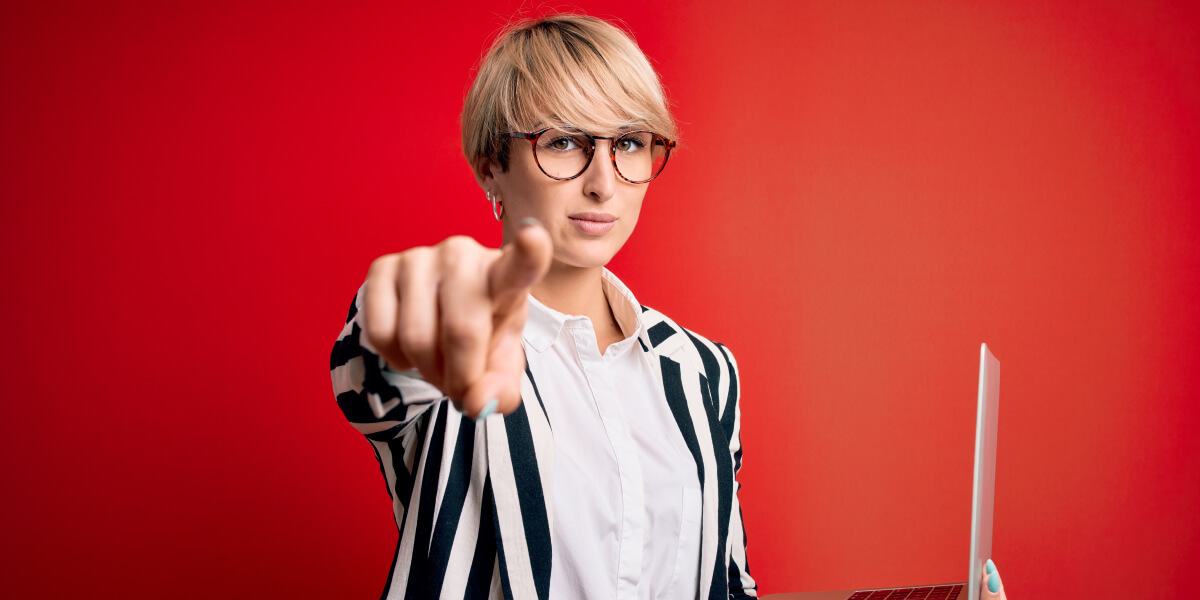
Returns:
(941, 592)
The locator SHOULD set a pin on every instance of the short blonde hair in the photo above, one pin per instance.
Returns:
(564, 69)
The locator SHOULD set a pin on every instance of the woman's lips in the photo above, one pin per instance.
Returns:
(593, 223)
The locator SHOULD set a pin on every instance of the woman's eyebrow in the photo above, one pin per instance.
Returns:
(620, 129)
(627, 127)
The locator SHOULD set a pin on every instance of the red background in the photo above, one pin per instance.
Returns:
(192, 192)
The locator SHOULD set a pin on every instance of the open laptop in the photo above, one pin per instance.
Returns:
(981, 508)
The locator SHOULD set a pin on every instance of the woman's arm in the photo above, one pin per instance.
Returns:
(377, 400)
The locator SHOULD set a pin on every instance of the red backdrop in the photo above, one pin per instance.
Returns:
(192, 192)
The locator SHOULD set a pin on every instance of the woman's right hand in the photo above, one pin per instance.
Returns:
(455, 312)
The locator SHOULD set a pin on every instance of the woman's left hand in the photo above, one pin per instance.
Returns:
(992, 588)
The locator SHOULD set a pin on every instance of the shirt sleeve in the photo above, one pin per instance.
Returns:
(379, 401)
(741, 583)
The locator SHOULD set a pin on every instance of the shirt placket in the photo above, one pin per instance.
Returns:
(629, 468)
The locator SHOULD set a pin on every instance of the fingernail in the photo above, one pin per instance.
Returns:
(488, 409)
(527, 221)
(994, 583)
(991, 567)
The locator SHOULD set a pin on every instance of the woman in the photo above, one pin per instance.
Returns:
(542, 434)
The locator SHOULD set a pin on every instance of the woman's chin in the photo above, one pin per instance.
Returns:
(584, 260)
(586, 253)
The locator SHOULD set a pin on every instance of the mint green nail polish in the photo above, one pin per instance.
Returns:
(991, 567)
(994, 583)
(527, 221)
(488, 409)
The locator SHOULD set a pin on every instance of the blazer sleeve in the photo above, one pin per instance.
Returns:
(741, 583)
(379, 401)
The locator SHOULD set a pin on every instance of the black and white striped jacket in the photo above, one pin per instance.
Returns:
(474, 501)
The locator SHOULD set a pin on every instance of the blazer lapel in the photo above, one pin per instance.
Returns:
(671, 358)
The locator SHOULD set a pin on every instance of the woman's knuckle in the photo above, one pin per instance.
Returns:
(382, 264)
(417, 256)
(454, 251)
(459, 242)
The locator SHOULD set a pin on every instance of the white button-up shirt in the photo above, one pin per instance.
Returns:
(626, 494)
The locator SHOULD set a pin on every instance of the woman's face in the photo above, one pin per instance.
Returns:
(589, 218)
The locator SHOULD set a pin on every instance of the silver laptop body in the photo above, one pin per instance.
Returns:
(981, 505)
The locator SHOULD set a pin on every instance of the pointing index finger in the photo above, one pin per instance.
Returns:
(522, 263)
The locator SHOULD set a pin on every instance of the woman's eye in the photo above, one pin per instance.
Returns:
(562, 144)
(629, 145)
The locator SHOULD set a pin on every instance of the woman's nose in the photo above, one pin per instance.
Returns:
(601, 175)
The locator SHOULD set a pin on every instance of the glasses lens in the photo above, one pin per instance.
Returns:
(562, 153)
(641, 155)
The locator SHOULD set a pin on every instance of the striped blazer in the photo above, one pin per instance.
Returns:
(474, 501)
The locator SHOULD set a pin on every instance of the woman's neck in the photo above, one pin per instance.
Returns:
(580, 291)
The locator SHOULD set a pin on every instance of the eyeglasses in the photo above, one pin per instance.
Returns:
(564, 153)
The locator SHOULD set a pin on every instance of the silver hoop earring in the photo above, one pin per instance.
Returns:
(497, 205)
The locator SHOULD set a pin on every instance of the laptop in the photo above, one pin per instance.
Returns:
(981, 508)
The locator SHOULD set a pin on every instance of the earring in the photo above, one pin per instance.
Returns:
(497, 205)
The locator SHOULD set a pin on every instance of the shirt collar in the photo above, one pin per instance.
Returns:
(544, 324)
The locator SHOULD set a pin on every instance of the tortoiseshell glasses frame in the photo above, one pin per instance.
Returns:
(656, 140)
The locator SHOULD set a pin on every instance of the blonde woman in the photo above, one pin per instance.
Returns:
(542, 434)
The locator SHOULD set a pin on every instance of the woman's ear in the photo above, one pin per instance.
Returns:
(485, 172)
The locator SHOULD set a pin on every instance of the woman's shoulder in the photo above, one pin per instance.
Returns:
(669, 337)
